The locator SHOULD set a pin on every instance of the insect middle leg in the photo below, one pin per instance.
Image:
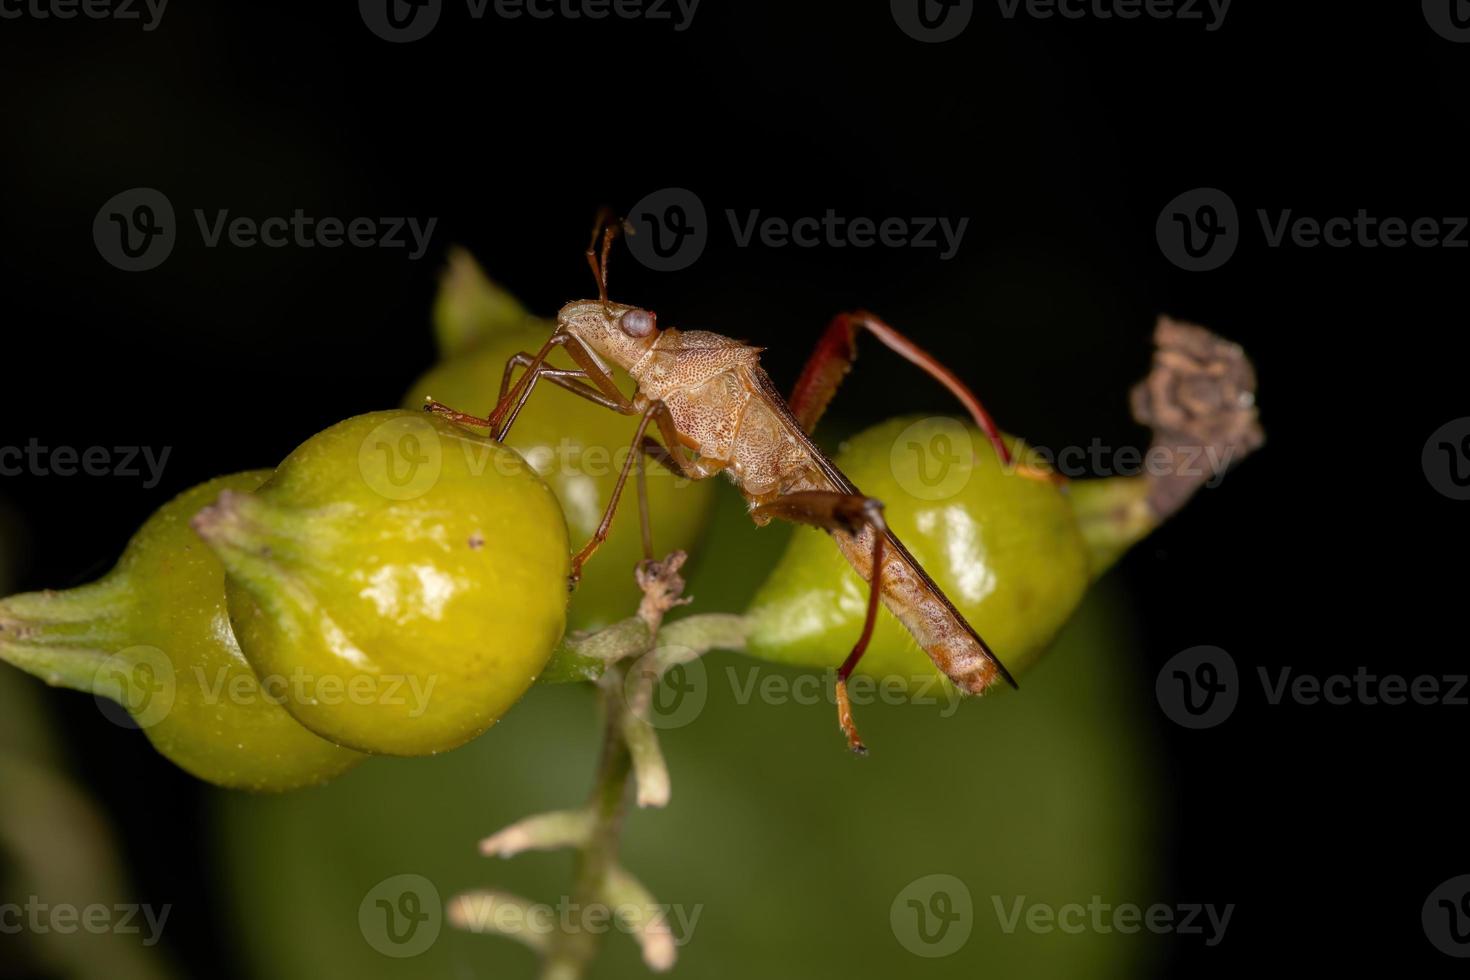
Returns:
(851, 513)
(642, 446)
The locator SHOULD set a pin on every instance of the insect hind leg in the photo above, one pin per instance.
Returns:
(833, 357)
(851, 513)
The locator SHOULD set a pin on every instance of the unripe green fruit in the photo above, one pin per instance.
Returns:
(575, 445)
(410, 575)
(153, 634)
(1007, 550)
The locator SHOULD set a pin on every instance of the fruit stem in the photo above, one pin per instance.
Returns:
(63, 637)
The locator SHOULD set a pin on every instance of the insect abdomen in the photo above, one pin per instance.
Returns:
(931, 620)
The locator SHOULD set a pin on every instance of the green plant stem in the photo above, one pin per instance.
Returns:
(570, 952)
(625, 662)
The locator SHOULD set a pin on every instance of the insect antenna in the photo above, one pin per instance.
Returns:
(608, 229)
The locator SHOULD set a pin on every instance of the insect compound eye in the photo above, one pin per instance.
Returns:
(638, 323)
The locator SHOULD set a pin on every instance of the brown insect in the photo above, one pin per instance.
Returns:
(717, 411)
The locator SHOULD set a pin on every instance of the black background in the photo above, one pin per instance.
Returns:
(1061, 141)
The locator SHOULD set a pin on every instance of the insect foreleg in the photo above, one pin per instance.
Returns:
(852, 514)
(561, 377)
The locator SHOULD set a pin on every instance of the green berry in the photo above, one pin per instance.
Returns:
(1006, 548)
(153, 635)
(411, 575)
